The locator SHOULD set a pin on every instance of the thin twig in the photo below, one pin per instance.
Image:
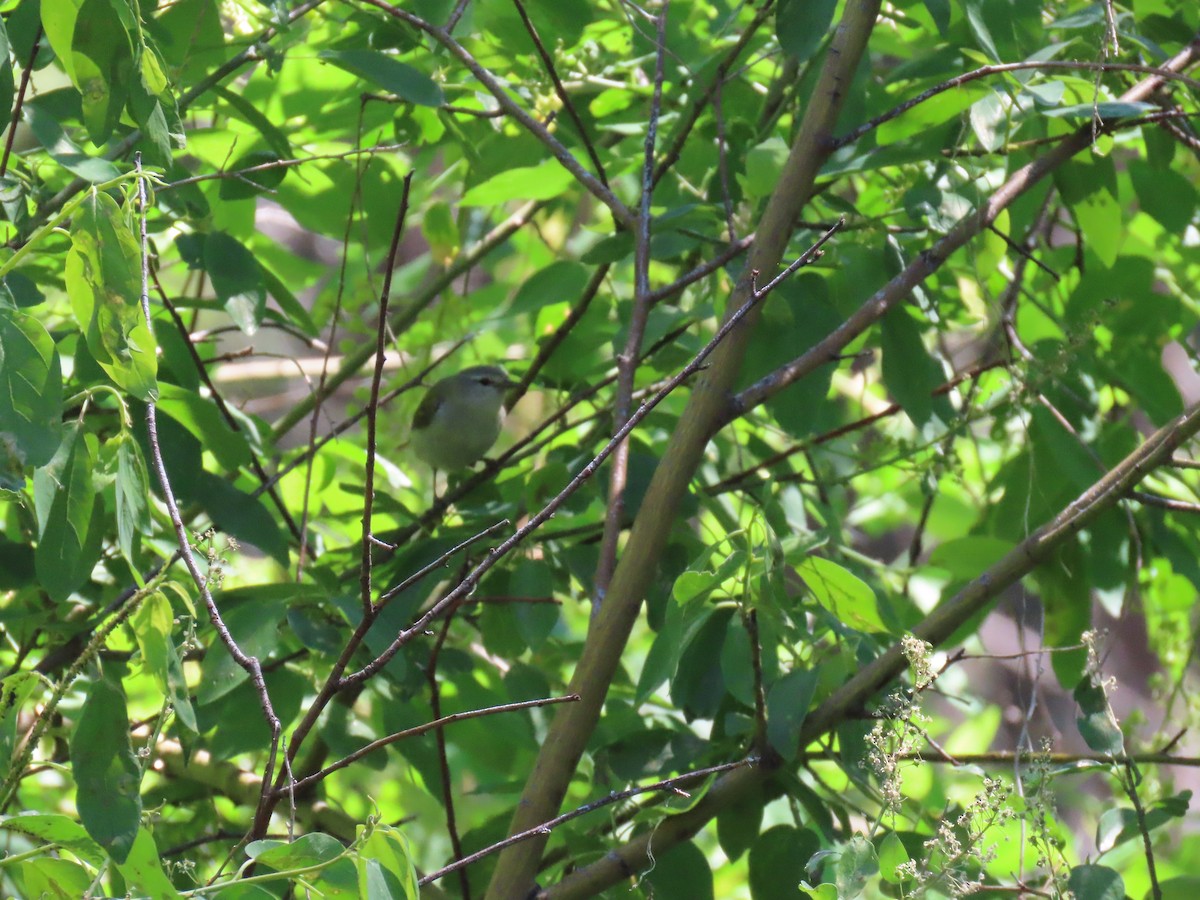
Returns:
(468, 584)
(439, 736)
(494, 86)
(20, 101)
(335, 318)
(264, 480)
(368, 545)
(1164, 502)
(426, 727)
(984, 71)
(627, 359)
(248, 663)
(439, 562)
(404, 319)
(561, 92)
(671, 785)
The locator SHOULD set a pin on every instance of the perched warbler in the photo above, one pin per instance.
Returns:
(460, 418)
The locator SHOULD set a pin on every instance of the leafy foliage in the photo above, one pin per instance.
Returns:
(830, 619)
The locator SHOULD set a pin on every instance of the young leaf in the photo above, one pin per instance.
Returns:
(104, 283)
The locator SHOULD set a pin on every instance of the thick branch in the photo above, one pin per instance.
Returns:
(855, 693)
(574, 725)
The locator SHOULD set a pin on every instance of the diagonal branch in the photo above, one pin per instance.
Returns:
(936, 628)
(597, 188)
(898, 289)
(573, 726)
(708, 410)
(627, 359)
(250, 664)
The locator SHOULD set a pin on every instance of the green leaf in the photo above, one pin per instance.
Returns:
(989, 120)
(1182, 887)
(202, 419)
(15, 692)
(237, 278)
(20, 289)
(965, 558)
(1097, 724)
(983, 37)
(1095, 883)
(856, 865)
(58, 23)
(7, 85)
(847, 597)
(441, 231)
(764, 165)
(910, 373)
(105, 287)
(388, 849)
(70, 516)
(53, 828)
(254, 625)
(144, 870)
(132, 490)
(682, 873)
(1122, 824)
(697, 583)
(737, 665)
(1105, 109)
(311, 849)
(788, 702)
(936, 111)
(245, 517)
(558, 282)
(388, 73)
(102, 60)
(63, 150)
(243, 109)
(801, 24)
(159, 121)
(777, 862)
(891, 855)
(1100, 220)
(1166, 194)
(107, 775)
(679, 627)
(291, 307)
(540, 182)
(738, 824)
(698, 686)
(48, 878)
(152, 625)
(939, 11)
(31, 390)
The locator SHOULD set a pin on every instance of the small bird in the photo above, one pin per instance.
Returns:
(459, 419)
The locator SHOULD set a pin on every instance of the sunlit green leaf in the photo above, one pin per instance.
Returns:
(104, 283)
(846, 596)
(388, 73)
